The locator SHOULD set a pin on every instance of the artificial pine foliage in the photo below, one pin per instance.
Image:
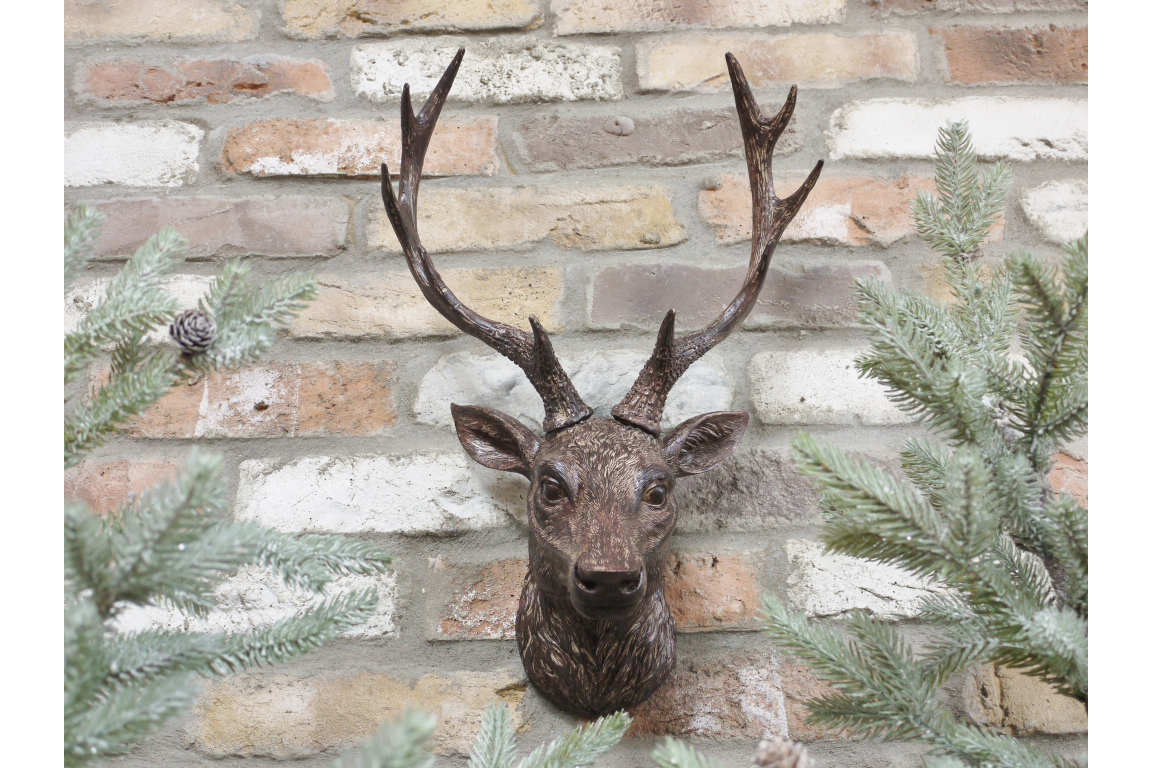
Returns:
(1000, 376)
(172, 545)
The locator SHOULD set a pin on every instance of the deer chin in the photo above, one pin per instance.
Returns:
(607, 605)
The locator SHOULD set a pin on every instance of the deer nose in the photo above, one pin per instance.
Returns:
(603, 581)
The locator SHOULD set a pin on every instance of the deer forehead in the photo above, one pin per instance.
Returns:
(603, 448)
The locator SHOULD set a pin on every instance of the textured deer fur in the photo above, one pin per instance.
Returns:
(594, 629)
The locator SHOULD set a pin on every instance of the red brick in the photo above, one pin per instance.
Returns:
(217, 81)
(104, 486)
(216, 226)
(708, 592)
(485, 609)
(1000, 55)
(330, 147)
(1070, 476)
(673, 137)
(794, 295)
(276, 400)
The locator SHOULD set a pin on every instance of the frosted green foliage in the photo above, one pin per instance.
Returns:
(136, 303)
(400, 745)
(975, 511)
(173, 545)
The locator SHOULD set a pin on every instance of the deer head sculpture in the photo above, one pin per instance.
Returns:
(594, 630)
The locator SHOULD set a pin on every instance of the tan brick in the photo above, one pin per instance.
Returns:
(696, 63)
(331, 147)
(216, 81)
(277, 400)
(485, 608)
(1030, 55)
(1070, 475)
(103, 486)
(850, 210)
(673, 137)
(795, 294)
(719, 698)
(800, 686)
(577, 17)
(911, 7)
(935, 276)
(707, 592)
(352, 18)
(605, 218)
(164, 21)
(1011, 701)
(390, 306)
(285, 717)
(287, 226)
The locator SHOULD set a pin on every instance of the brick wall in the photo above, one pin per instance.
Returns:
(588, 169)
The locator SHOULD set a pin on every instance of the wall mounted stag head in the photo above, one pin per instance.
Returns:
(594, 630)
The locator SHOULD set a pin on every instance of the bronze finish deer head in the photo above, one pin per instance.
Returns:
(593, 627)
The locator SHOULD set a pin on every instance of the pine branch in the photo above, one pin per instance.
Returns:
(81, 229)
(310, 560)
(495, 745)
(674, 753)
(581, 747)
(399, 745)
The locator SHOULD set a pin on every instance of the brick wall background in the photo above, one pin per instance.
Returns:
(588, 169)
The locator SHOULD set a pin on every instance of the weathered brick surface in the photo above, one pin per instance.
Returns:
(672, 137)
(806, 295)
(390, 305)
(602, 378)
(501, 70)
(1013, 128)
(577, 17)
(1025, 55)
(840, 210)
(1012, 702)
(1059, 209)
(215, 81)
(755, 490)
(426, 493)
(353, 18)
(105, 485)
(484, 606)
(167, 21)
(817, 387)
(335, 147)
(1070, 475)
(276, 400)
(697, 63)
(910, 7)
(290, 717)
(293, 225)
(148, 153)
(500, 218)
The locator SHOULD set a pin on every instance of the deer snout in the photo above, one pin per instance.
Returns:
(603, 580)
(607, 591)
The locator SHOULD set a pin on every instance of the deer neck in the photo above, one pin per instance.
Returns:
(593, 667)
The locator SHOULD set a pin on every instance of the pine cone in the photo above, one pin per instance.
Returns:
(193, 331)
(781, 753)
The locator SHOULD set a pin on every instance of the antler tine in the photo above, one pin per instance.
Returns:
(531, 351)
(644, 404)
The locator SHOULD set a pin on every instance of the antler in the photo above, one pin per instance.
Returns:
(531, 351)
(644, 403)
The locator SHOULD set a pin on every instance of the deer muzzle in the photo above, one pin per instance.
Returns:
(607, 591)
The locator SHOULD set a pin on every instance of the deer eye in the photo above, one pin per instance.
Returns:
(656, 496)
(552, 491)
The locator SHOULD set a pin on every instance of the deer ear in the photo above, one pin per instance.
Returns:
(495, 439)
(702, 442)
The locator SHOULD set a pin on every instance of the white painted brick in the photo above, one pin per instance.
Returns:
(185, 289)
(577, 17)
(159, 153)
(415, 494)
(504, 71)
(1059, 209)
(602, 378)
(817, 387)
(1002, 127)
(256, 597)
(829, 585)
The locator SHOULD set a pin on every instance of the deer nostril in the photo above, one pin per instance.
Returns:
(631, 585)
(593, 580)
